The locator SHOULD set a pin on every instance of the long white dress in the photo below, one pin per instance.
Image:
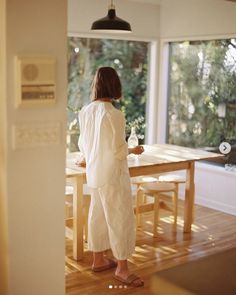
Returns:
(111, 216)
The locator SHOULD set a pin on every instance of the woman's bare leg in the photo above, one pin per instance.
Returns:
(99, 259)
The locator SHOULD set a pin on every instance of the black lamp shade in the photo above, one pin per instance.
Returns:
(111, 23)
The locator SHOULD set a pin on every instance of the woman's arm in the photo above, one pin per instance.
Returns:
(117, 123)
(137, 150)
(81, 163)
(81, 160)
(120, 145)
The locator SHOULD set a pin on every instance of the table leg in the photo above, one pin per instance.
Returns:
(139, 198)
(189, 198)
(78, 242)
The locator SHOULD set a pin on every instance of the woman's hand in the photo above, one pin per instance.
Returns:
(137, 150)
(81, 163)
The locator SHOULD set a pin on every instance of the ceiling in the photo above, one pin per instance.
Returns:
(157, 2)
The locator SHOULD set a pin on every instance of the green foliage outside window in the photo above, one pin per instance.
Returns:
(202, 93)
(128, 58)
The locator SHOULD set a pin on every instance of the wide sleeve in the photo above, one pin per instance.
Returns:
(119, 143)
(80, 141)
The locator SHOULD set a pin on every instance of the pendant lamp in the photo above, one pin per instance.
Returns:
(111, 23)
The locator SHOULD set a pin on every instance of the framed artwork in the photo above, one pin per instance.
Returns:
(35, 80)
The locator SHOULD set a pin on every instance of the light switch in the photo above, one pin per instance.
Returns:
(36, 134)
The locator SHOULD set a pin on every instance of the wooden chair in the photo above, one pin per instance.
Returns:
(69, 211)
(172, 178)
(157, 190)
(139, 197)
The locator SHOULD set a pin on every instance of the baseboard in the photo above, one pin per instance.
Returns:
(216, 205)
(212, 204)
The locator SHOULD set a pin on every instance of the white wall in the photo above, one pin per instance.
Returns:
(35, 175)
(199, 19)
(216, 188)
(192, 18)
(144, 18)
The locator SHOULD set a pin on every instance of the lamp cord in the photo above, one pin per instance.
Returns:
(112, 6)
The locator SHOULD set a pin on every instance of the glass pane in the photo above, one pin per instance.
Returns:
(202, 94)
(129, 58)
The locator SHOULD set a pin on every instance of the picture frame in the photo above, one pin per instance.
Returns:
(35, 81)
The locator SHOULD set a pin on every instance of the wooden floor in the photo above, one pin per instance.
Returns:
(212, 231)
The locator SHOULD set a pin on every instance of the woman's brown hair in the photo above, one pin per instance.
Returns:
(106, 84)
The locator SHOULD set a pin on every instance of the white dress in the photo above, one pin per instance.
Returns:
(111, 216)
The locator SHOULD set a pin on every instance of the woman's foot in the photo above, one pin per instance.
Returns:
(101, 263)
(104, 264)
(123, 275)
(128, 279)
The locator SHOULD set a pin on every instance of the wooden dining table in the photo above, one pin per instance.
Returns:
(157, 158)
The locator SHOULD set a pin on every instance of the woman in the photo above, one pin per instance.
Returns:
(102, 142)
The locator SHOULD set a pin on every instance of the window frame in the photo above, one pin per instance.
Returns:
(153, 81)
(162, 124)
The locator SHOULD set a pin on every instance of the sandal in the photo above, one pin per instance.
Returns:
(110, 265)
(130, 280)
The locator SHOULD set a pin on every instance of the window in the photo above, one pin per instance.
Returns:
(129, 58)
(202, 94)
